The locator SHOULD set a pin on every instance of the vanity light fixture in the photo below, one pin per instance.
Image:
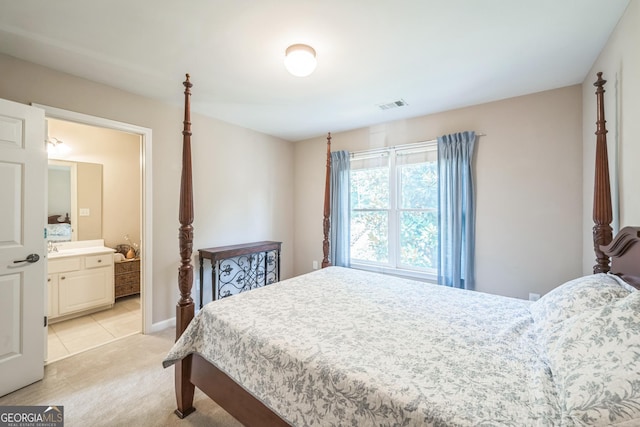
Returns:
(300, 60)
(54, 141)
(55, 146)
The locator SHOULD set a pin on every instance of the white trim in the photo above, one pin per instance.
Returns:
(387, 150)
(161, 326)
(146, 191)
(401, 146)
(398, 272)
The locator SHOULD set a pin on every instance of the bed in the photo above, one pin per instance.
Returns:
(59, 228)
(347, 349)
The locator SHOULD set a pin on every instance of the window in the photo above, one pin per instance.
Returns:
(394, 209)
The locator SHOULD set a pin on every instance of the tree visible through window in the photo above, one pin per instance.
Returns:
(394, 201)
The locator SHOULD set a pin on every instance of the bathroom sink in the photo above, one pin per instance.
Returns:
(79, 251)
(65, 252)
(88, 247)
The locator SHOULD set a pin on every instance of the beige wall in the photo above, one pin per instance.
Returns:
(119, 155)
(243, 180)
(528, 180)
(619, 62)
(89, 179)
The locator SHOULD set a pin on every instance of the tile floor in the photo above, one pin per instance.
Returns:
(83, 333)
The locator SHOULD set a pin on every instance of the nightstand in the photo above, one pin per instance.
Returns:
(127, 277)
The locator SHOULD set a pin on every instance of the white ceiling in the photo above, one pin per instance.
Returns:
(435, 54)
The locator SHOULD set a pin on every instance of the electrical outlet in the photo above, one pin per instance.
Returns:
(315, 265)
(534, 297)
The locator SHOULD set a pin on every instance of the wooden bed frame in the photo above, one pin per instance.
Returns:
(55, 219)
(194, 371)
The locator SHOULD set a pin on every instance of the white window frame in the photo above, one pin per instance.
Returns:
(394, 267)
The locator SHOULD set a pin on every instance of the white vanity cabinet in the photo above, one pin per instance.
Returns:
(79, 284)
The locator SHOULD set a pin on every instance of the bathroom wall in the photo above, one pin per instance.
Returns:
(89, 179)
(119, 154)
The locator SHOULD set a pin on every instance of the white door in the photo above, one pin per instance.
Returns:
(23, 165)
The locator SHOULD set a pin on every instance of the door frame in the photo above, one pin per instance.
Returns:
(146, 193)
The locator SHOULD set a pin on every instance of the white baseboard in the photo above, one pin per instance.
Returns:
(159, 326)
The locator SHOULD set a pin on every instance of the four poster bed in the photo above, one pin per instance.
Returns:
(346, 349)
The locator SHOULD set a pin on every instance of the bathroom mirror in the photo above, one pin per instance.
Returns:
(74, 201)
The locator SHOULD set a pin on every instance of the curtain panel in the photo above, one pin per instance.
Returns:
(340, 235)
(456, 210)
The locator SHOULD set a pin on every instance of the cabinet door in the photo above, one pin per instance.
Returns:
(52, 291)
(80, 290)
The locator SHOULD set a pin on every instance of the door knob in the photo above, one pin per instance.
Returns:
(31, 258)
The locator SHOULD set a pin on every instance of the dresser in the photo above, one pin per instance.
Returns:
(127, 277)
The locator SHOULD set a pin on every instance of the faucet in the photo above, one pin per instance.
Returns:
(51, 247)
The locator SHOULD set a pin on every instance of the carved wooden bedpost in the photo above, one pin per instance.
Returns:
(602, 214)
(326, 222)
(185, 308)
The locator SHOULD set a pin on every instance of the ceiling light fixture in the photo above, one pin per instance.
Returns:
(300, 60)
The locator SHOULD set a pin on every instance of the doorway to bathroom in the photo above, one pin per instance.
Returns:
(112, 209)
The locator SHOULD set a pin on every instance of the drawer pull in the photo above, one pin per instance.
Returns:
(63, 277)
(99, 260)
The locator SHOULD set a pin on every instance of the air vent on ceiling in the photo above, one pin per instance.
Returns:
(394, 104)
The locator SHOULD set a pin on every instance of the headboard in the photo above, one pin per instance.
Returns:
(624, 251)
(59, 219)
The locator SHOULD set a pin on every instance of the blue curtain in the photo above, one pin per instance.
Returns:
(339, 237)
(456, 211)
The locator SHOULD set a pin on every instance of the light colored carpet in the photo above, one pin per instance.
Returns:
(119, 384)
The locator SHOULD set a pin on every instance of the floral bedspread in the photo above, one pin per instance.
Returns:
(340, 347)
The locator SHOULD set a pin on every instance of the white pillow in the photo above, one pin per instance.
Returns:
(575, 297)
(594, 359)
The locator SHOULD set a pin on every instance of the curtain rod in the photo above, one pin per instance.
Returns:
(402, 146)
